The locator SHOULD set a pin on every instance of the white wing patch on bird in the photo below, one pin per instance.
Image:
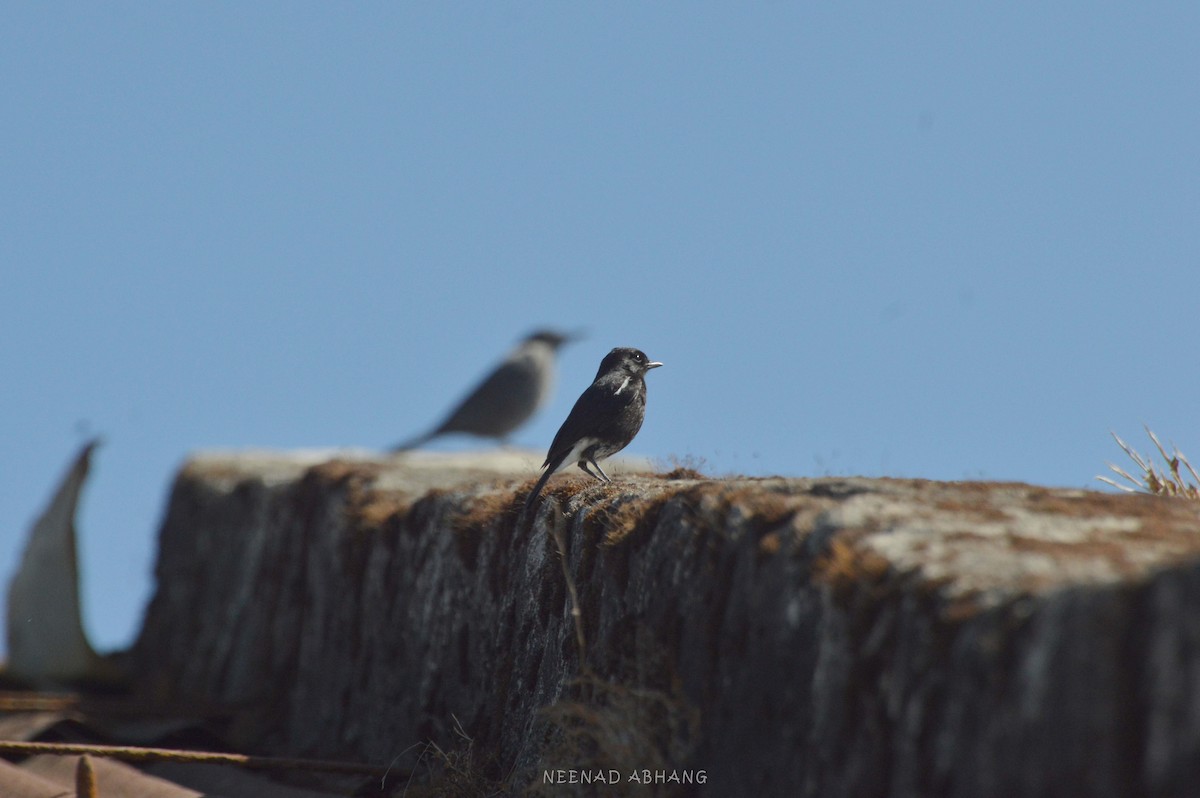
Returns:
(622, 386)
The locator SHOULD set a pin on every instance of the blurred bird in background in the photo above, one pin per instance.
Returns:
(506, 398)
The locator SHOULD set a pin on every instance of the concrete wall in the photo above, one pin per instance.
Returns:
(828, 637)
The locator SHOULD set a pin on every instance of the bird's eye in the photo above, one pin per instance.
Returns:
(638, 357)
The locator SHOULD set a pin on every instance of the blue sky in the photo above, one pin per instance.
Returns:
(935, 240)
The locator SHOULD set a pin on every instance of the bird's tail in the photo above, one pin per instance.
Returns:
(413, 443)
(550, 467)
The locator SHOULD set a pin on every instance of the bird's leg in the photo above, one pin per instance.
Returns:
(583, 466)
(602, 477)
(601, 470)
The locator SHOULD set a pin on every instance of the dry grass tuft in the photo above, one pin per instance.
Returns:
(680, 473)
(448, 774)
(617, 726)
(1171, 482)
(689, 466)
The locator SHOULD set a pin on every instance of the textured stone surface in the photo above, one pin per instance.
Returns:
(822, 637)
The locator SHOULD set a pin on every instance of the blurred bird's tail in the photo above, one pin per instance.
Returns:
(413, 443)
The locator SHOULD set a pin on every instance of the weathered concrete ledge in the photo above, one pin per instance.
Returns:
(823, 637)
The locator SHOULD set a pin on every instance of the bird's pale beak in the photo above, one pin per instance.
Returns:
(653, 364)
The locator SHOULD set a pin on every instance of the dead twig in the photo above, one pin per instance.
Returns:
(556, 525)
(130, 753)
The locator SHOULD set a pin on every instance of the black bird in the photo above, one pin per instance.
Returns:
(604, 419)
(507, 397)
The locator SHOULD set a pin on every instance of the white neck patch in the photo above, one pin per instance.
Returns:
(622, 386)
